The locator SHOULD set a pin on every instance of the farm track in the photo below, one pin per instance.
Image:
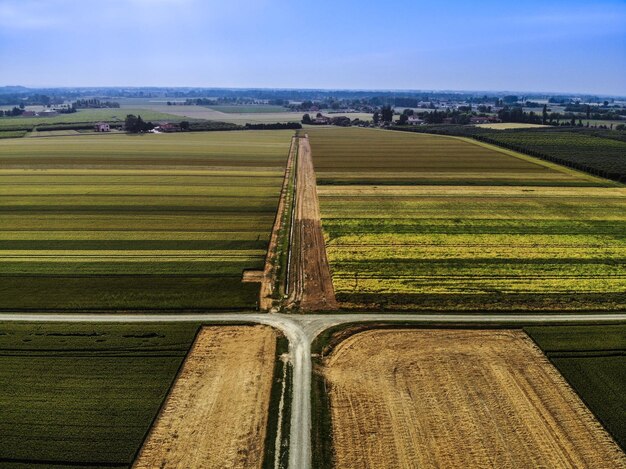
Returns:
(300, 331)
(396, 397)
(216, 413)
(310, 279)
(270, 269)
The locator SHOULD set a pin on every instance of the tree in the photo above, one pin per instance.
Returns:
(341, 121)
(404, 119)
(387, 113)
(306, 119)
(544, 114)
(184, 125)
(131, 123)
(376, 118)
(135, 124)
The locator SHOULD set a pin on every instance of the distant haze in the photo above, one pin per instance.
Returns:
(551, 46)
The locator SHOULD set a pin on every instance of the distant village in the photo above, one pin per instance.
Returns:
(351, 109)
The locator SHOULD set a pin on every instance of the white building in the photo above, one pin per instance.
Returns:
(102, 127)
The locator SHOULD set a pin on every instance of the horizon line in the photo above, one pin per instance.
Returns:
(279, 88)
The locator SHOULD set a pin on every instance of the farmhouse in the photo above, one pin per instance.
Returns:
(168, 127)
(322, 120)
(414, 120)
(102, 127)
(483, 119)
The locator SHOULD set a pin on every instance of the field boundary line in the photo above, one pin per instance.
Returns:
(158, 414)
(270, 270)
(534, 160)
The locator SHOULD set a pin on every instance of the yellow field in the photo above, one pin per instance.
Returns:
(216, 414)
(457, 398)
(427, 222)
(509, 125)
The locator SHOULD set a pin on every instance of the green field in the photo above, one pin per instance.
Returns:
(84, 116)
(593, 360)
(83, 395)
(137, 222)
(603, 154)
(472, 228)
(13, 134)
(364, 156)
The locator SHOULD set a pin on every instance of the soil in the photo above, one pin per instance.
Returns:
(457, 398)
(310, 273)
(216, 413)
(252, 276)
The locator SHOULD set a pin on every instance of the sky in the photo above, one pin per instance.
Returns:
(542, 46)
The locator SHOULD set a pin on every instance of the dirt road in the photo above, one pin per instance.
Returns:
(457, 398)
(216, 413)
(310, 278)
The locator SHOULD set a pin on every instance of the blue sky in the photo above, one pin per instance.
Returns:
(529, 45)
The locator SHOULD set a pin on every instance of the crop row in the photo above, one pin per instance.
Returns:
(591, 358)
(153, 222)
(83, 395)
(558, 245)
(358, 156)
(597, 152)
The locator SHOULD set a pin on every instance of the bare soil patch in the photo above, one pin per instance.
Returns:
(310, 273)
(216, 413)
(252, 276)
(457, 398)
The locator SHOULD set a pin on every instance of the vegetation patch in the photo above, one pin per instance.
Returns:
(471, 229)
(598, 152)
(83, 395)
(592, 359)
(137, 222)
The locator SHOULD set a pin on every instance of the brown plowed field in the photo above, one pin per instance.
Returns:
(216, 413)
(457, 398)
(310, 273)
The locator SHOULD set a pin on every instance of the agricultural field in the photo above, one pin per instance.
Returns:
(592, 359)
(607, 155)
(239, 115)
(83, 395)
(165, 221)
(13, 134)
(377, 157)
(248, 109)
(395, 397)
(217, 412)
(472, 228)
(509, 125)
(83, 116)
